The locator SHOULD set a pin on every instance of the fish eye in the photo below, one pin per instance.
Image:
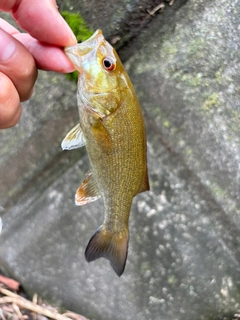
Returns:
(108, 64)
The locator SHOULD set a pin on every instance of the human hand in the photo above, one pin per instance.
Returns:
(21, 54)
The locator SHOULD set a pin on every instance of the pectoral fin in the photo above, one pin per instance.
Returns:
(101, 135)
(74, 139)
(88, 191)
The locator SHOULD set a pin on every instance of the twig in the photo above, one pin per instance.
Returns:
(25, 304)
(17, 311)
(151, 13)
(10, 293)
(161, 6)
(2, 315)
(35, 298)
(35, 308)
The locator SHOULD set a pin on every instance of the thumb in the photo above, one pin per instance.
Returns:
(7, 47)
(17, 64)
(10, 107)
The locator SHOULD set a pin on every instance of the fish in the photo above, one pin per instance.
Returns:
(111, 127)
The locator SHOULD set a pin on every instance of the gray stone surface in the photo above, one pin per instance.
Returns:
(28, 149)
(184, 255)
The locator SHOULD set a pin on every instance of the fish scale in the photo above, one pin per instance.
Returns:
(112, 128)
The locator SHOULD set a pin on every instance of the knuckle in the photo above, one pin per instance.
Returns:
(10, 108)
(26, 80)
(12, 119)
(27, 72)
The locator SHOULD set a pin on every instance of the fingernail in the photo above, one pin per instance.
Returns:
(73, 37)
(7, 46)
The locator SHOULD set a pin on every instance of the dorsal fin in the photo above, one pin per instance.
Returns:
(74, 139)
(88, 191)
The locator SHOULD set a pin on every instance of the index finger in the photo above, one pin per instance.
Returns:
(41, 20)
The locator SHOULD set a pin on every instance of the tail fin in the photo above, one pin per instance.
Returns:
(110, 245)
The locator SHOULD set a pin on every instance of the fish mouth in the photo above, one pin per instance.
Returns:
(77, 52)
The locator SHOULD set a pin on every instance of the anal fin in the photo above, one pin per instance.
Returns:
(88, 191)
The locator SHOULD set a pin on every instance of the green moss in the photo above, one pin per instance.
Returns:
(218, 191)
(196, 48)
(218, 76)
(166, 124)
(211, 101)
(144, 267)
(168, 50)
(78, 25)
(81, 31)
(191, 80)
(54, 80)
(188, 151)
(172, 279)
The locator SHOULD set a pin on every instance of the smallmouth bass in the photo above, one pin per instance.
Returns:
(111, 127)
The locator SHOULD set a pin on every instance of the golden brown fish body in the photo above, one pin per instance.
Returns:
(112, 127)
